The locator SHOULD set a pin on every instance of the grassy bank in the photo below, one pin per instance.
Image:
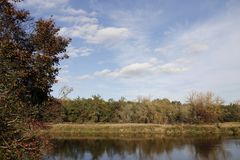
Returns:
(147, 130)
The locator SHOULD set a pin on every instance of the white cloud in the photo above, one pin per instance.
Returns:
(196, 48)
(129, 71)
(103, 73)
(73, 11)
(79, 52)
(139, 20)
(206, 37)
(44, 4)
(80, 23)
(163, 50)
(79, 31)
(76, 17)
(176, 66)
(108, 35)
(79, 20)
(80, 13)
(93, 33)
(62, 11)
(213, 48)
(84, 77)
(137, 70)
(171, 68)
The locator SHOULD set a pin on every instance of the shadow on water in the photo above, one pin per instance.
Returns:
(143, 149)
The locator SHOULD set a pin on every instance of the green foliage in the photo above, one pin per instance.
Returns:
(231, 113)
(95, 109)
(201, 108)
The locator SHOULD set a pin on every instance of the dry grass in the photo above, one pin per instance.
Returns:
(146, 130)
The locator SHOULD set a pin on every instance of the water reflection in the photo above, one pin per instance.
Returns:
(143, 149)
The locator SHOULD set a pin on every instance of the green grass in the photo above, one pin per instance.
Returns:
(145, 130)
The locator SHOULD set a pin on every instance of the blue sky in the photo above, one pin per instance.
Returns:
(157, 49)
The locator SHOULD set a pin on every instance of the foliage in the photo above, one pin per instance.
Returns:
(29, 54)
(205, 107)
(231, 113)
(201, 108)
(96, 109)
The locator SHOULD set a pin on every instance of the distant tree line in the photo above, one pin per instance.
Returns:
(200, 108)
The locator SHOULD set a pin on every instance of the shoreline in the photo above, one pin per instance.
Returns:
(128, 130)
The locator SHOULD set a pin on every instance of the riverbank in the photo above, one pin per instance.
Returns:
(147, 130)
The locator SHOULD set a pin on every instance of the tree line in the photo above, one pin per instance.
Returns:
(199, 108)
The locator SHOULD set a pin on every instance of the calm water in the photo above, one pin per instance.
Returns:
(146, 149)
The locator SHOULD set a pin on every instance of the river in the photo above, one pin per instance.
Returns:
(215, 148)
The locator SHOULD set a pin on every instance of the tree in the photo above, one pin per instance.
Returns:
(205, 107)
(30, 52)
(231, 112)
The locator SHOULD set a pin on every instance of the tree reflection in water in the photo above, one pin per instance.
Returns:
(144, 149)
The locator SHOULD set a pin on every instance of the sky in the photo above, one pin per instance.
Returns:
(155, 49)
